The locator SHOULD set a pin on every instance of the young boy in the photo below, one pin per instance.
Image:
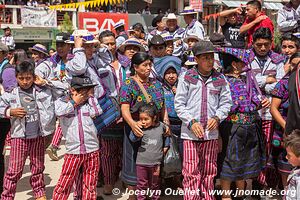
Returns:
(31, 112)
(202, 101)
(292, 145)
(81, 162)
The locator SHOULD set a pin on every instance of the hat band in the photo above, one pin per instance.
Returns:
(39, 49)
(168, 37)
(86, 38)
(191, 58)
(133, 42)
(187, 11)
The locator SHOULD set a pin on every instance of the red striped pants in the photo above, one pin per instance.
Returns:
(89, 166)
(111, 159)
(57, 137)
(268, 176)
(21, 149)
(199, 168)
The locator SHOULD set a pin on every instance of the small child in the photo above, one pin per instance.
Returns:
(292, 145)
(151, 151)
(81, 162)
(31, 112)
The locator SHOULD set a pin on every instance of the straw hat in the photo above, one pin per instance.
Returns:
(88, 37)
(118, 25)
(39, 48)
(168, 17)
(188, 10)
(191, 37)
(130, 42)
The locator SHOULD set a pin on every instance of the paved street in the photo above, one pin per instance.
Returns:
(52, 172)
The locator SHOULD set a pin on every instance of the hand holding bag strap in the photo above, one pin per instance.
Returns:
(142, 89)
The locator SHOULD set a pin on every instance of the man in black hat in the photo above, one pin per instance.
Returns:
(57, 69)
(158, 25)
(157, 46)
(202, 101)
(7, 38)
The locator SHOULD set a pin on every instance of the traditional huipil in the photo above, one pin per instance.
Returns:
(243, 149)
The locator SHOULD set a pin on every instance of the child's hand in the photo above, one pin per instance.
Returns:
(165, 150)
(157, 171)
(212, 124)
(79, 98)
(17, 112)
(78, 41)
(198, 130)
(39, 81)
(174, 90)
(136, 129)
(270, 80)
(265, 103)
(168, 131)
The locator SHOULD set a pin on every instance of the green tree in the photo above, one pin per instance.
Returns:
(67, 25)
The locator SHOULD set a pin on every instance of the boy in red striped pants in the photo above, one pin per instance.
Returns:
(202, 100)
(31, 112)
(81, 162)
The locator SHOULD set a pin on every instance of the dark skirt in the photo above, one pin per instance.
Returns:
(129, 158)
(277, 159)
(243, 151)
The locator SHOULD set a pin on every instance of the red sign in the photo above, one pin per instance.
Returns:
(96, 22)
(197, 5)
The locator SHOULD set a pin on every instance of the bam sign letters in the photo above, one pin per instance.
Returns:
(95, 22)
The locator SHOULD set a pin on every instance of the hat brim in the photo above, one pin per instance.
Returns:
(197, 54)
(188, 63)
(165, 19)
(122, 47)
(65, 42)
(32, 49)
(191, 37)
(85, 86)
(119, 26)
(84, 42)
(188, 13)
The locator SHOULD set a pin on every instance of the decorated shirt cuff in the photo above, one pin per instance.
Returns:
(191, 123)
(75, 50)
(73, 103)
(7, 112)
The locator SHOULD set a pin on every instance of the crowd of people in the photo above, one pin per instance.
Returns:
(228, 105)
